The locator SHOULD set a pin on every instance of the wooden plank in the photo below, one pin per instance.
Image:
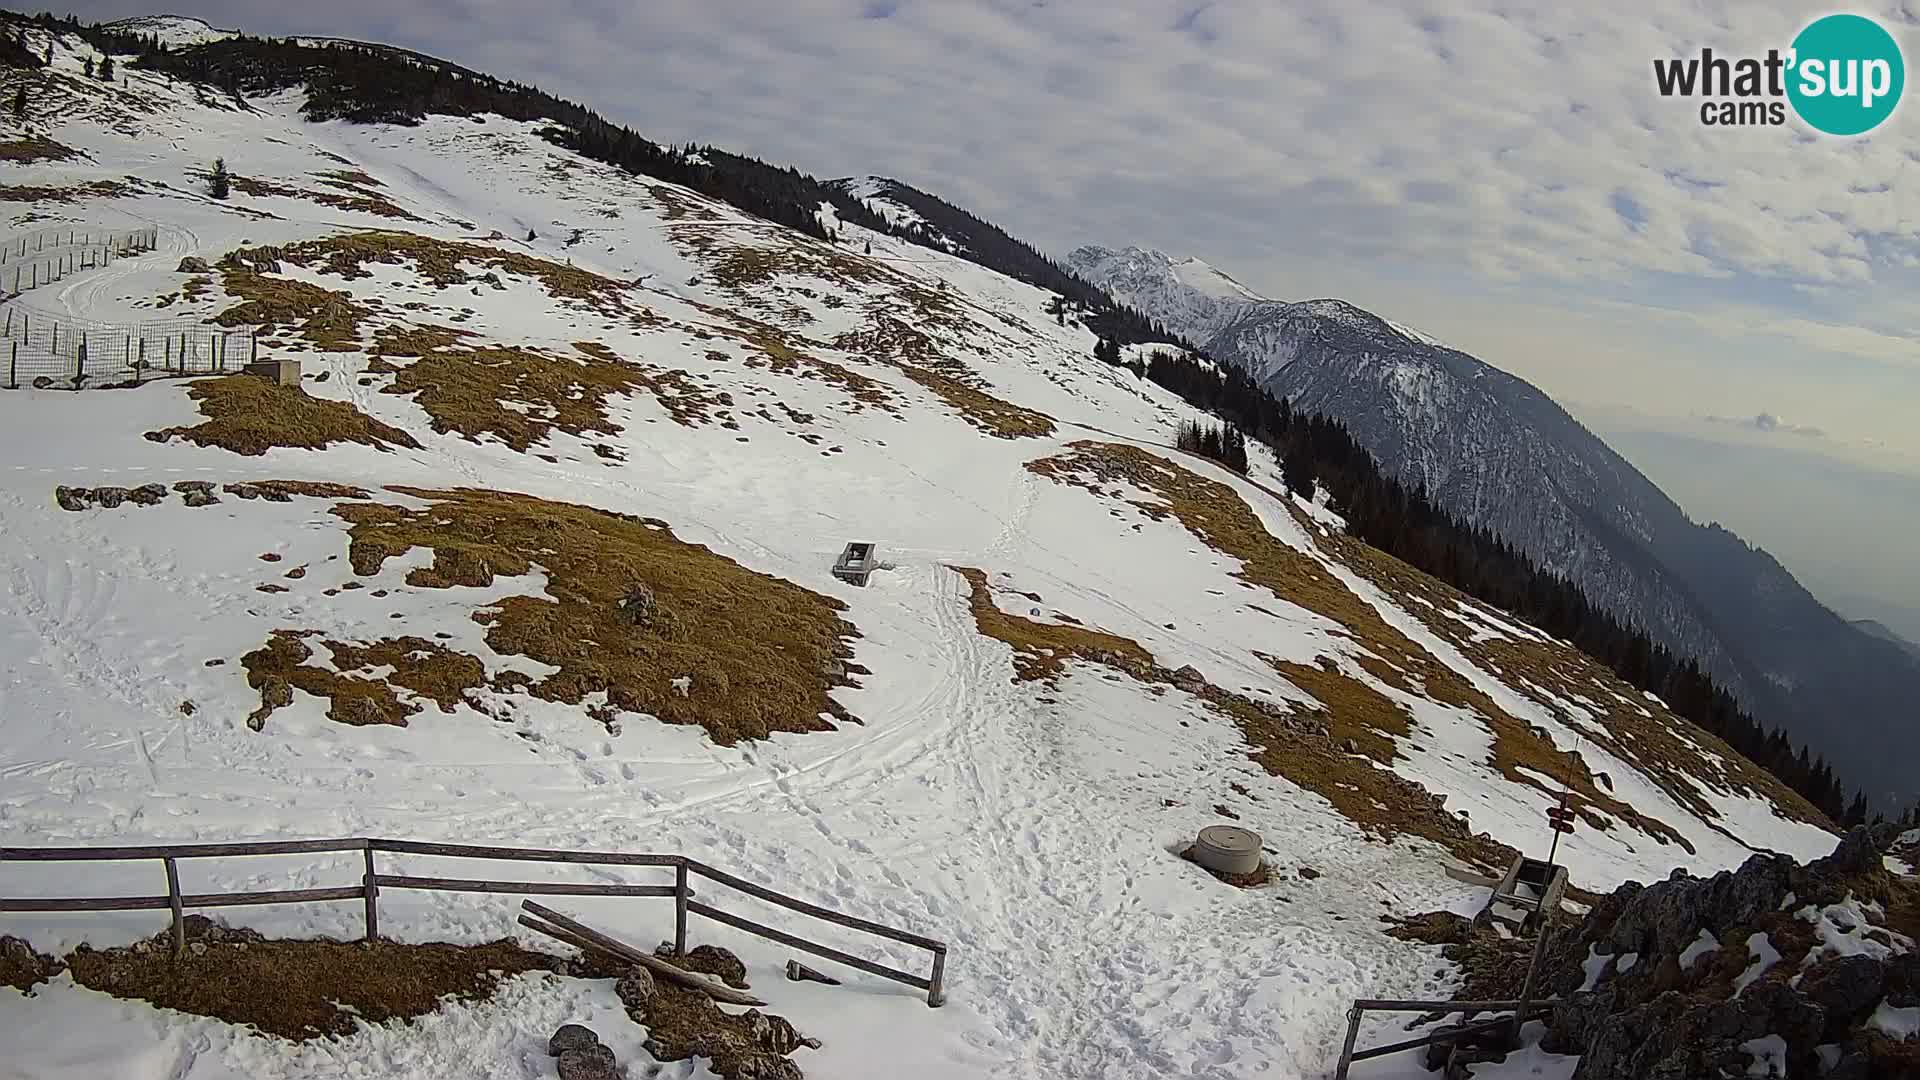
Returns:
(177, 851)
(1390, 1005)
(577, 933)
(472, 851)
(783, 938)
(86, 903)
(173, 901)
(680, 895)
(273, 896)
(530, 888)
(370, 890)
(818, 912)
(1410, 1044)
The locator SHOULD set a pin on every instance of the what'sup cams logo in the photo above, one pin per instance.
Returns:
(1842, 75)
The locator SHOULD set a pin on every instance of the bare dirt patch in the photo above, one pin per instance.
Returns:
(250, 415)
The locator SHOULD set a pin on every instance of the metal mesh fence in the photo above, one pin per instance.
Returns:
(42, 350)
(35, 259)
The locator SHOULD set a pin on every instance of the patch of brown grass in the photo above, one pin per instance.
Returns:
(446, 263)
(1218, 517)
(284, 490)
(303, 989)
(1041, 650)
(889, 340)
(31, 148)
(683, 1023)
(783, 353)
(32, 193)
(330, 320)
(762, 654)
(1663, 746)
(470, 391)
(249, 415)
(358, 199)
(1377, 799)
(430, 670)
(22, 968)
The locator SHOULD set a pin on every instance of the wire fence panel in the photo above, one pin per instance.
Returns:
(42, 350)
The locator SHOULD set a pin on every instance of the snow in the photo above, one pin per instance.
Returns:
(1212, 281)
(1416, 336)
(175, 30)
(1901, 1024)
(1842, 930)
(1769, 1054)
(1760, 947)
(1704, 945)
(1028, 827)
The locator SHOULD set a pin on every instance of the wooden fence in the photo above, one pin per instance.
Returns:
(372, 882)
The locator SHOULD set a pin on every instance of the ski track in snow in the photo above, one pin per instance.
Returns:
(1030, 826)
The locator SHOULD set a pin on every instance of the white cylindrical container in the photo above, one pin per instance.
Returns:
(1228, 849)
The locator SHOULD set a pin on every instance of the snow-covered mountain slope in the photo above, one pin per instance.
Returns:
(892, 201)
(1497, 452)
(171, 30)
(542, 556)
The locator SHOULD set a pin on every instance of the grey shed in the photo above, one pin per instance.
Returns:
(856, 563)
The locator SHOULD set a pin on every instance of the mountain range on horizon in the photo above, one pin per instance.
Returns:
(1495, 450)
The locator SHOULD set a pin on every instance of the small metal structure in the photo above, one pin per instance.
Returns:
(856, 563)
(1227, 849)
(1530, 889)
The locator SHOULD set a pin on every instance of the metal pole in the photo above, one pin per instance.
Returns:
(173, 901)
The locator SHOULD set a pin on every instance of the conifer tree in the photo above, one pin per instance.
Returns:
(220, 183)
(106, 69)
(20, 102)
(89, 67)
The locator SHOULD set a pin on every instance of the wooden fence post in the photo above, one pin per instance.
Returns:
(373, 897)
(936, 991)
(13, 368)
(680, 908)
(173, 900)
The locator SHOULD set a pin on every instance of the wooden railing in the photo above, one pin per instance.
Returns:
(372, 881)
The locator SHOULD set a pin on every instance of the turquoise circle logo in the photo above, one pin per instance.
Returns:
(1847, 74)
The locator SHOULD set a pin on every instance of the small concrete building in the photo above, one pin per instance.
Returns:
(278, 372)
(856, 563)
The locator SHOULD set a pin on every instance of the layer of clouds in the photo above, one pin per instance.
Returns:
(1767, 424)
(1520, 139)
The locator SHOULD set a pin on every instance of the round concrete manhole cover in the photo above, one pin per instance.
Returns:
(1228, 849)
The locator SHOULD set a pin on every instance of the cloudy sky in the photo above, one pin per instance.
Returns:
(1737, 308)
